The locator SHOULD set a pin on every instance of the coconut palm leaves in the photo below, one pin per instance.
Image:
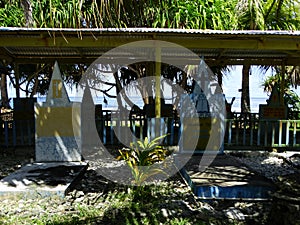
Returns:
(282, 14)
(250, 14)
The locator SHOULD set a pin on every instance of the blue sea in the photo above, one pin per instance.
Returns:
(254, 104)
(112, 103)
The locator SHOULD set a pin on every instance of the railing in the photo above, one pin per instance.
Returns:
(243, 131)
(15, 132)
(110, 130)
(262, 133)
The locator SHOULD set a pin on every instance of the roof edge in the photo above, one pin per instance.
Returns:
(154, 30)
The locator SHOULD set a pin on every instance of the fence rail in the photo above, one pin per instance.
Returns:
(262, 133)
(247, 131)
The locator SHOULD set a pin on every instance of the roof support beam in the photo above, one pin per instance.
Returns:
(191, 42)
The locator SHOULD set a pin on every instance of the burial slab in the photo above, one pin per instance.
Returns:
(55, 140)
(43, 179)
(226, 178)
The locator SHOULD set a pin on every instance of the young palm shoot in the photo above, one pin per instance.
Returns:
(141, 157)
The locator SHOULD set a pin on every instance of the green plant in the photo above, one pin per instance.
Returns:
(141, 156)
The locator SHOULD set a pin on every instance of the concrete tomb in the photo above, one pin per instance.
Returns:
(55, 140)
(199, 118)
(58, 163)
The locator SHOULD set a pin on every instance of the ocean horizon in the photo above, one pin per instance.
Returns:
(112, 103)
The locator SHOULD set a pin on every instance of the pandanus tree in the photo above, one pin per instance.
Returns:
(250, 17)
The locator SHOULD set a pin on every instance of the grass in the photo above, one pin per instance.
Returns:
(120, 205)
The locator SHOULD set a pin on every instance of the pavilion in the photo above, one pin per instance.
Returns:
(222, 48)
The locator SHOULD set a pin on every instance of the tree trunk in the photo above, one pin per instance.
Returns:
(118, 91)
(4, 94)
(26, 5)
(220, 78)
(245, 99)
(17, 77)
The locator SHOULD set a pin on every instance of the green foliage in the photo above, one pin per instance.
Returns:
(191, 14)
(199, 14)
(282, 15)
(292, 100)
(141, 156)
(250, 14)
(268, 15)
(11, 14)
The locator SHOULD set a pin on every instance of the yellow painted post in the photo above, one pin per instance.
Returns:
(157, 82)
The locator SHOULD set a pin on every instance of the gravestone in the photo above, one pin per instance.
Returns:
(55, 140)
(201, 124)
(203, 129)
(275, 108)
(269, 114)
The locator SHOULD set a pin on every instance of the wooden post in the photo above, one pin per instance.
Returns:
(157, 82)
(282, 83)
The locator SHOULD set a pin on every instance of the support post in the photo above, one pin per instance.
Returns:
(282, 83)
(157, 82)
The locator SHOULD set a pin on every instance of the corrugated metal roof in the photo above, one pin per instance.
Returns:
(154, 30)
(35, 45)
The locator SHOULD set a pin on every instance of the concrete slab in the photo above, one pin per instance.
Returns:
(225, 178)
(43, 179)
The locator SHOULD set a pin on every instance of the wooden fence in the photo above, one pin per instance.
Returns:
(263, 133)
(16, 132)
(242, 131)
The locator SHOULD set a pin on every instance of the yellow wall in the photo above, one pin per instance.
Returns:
(54, 121)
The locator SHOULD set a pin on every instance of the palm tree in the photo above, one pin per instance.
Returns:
(261, 14)
(26, 5)
(251, 17)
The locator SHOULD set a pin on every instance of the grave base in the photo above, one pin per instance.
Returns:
(225, 178)
(43, 179)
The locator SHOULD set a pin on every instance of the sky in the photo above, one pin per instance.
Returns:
(233, 81)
